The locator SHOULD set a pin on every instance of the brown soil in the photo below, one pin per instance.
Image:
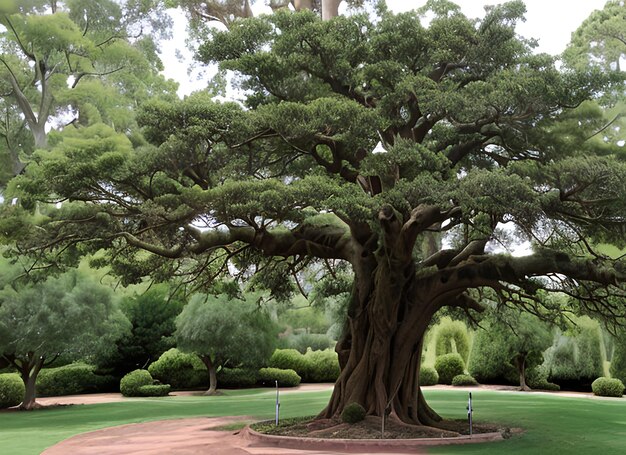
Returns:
(371, 428)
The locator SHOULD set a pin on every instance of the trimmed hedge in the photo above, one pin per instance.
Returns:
(285, 378)
(607, 387)
(236, 377)
(428, 376)
(463, 380)
(289, 359)
(322, 366)
(180, 370)
(154, 390)
(448, 366)
(133, 381)
(73, 379)
(11, 390)
(353, 413)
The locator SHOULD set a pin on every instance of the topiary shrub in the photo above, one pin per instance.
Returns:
(290, 359)
(180, 370)
(428, 376)
(285, 378)
(452, 337)
(353, 413)
(69, 380)
(322, 366)
(11, 390)
(133, 381)
(154, 390)
(448, 366)
(236, 377)
(607, 387)
(463, 380)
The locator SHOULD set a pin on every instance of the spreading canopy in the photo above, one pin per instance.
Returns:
(398, 148)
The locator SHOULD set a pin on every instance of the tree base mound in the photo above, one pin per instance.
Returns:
(370, 428)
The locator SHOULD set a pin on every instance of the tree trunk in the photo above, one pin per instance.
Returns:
(520, 364)
(381, 348)
(29, 373)
(210, 366)
(330, 9)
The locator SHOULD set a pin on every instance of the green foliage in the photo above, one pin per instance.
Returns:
(448, 366)
(575, 359)
(353, 413)
(303, 341)
(236, 377)
(180, 370)
(133, 381)
(153, 390)
(72, 379)
(464, 380)
(323, 366)
(607, 387)
(152, 316)
(285, 378)
(11, 390)
(428, 376)
(452, 337)
(228, 330)
(618, 361)
(290, 359)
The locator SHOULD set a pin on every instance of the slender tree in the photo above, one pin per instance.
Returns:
(361, 143)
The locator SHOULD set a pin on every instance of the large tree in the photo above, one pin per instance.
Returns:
(397, 148)
(68, 315)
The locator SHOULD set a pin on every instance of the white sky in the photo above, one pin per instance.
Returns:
(550, 21)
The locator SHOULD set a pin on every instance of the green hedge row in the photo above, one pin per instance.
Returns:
(73, 379)
(11, 390)
(313, 366)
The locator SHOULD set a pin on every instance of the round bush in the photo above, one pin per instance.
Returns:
(236, 377)
(353, 413)
(133, 381)
(290, 359)
(180, 370)
(463, 380)
(428, 376)
(448, 366)
(323, 366)
(285, 378)
(154, 390)
(607, 387)
(11, 390)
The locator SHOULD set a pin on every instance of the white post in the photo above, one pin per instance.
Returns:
(277, 403)
(469, 413)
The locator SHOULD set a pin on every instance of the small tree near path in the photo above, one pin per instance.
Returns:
(224, 331)
(67, 315)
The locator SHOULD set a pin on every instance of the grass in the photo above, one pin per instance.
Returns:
(553, 424)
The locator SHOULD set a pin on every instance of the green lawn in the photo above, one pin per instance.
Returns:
(553, 424)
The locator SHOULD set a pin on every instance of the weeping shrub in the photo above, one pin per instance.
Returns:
(452, 336)
(575, 358)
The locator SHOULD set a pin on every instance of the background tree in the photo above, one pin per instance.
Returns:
(466, 119)
(225, 331)
(67, 315)
(151, 314)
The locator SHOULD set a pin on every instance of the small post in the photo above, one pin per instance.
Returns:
(277, 404)
(469, 413)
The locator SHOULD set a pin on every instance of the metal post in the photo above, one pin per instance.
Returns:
(469, 413)
(277, 403)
